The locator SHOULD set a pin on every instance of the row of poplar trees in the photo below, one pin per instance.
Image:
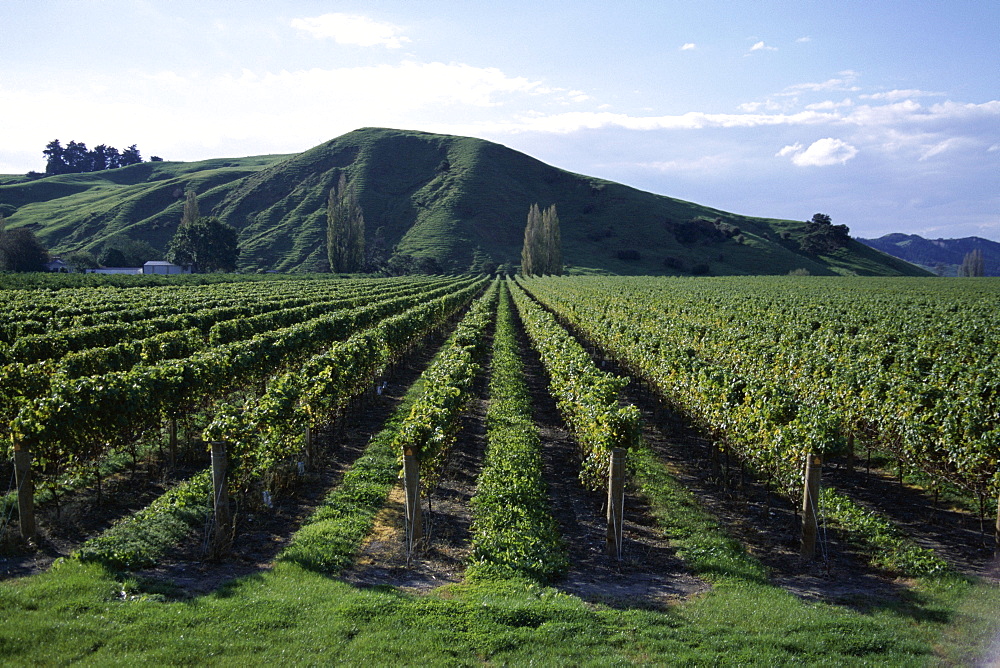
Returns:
(542, 250)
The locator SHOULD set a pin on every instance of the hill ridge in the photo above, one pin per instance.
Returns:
(939, 255)
(434, 196)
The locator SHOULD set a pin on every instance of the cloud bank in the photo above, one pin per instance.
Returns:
(352, 29)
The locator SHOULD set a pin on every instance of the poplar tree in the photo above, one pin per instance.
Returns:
(973, 264)
(345, 229)
(191, 212)
(553, 242)
(532, 250)
(542, 249)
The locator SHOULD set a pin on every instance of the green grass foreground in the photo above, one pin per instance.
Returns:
(291, 615)
(294, 615)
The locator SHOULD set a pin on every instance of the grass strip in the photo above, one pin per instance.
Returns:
(699, 538)
(513, 531)
(885, 544)
(140, 540)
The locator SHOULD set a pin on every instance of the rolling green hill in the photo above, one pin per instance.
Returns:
(427, 195)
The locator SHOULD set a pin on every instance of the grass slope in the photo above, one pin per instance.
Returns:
(429, 195)
(72, 212)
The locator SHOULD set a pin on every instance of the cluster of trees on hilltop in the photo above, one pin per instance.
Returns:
(75, 158)
(822, 236)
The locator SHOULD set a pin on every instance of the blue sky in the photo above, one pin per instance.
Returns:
(883, 114)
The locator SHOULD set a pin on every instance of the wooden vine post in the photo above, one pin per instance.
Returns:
(810, 502)
(996, 530)
(411, 490)
(616, 502)
(308, 440)
(220, 494)
(25, 491)
(172, 435)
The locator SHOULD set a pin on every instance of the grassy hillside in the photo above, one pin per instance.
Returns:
(427, 195)
(73, 212)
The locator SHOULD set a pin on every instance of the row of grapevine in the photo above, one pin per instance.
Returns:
(217, 322)
(513, 530)
(260, 435)
(429, 430)
(72, 422)
(42, 311)
(778, 369)
(24, 382)
(270, 428)
(586, 396)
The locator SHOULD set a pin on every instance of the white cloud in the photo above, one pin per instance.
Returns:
(844, 83)
(767, 105)
(352, 29)
(791, 149)
(895, 95)
(693, 120)
(802, 40)
(251, 112)
(821, 153)
(690, 46)
(708, 164)
(941, 147)
(829, 105)
(761, 46)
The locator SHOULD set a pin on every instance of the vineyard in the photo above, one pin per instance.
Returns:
(591, 470)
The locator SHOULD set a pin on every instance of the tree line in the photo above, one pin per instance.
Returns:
(76, 158)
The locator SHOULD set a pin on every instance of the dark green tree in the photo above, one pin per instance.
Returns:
(131, 156)
(20, 250)
(822, 236)
(55, 162)
(74, 158)
(99, 158)
(345, 229)
(112, 257)
(77, 158)
(205, 244)
(113, 157)
(82, 260)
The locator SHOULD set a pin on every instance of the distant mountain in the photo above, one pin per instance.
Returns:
(430, 196)
(938, 255)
